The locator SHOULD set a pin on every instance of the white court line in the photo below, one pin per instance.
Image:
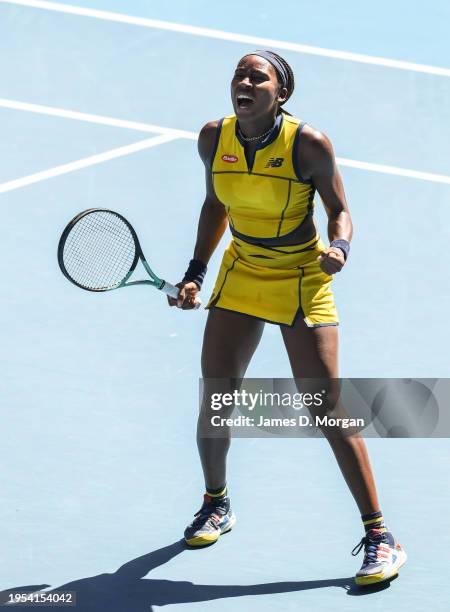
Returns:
(230, 36)
(174, 133)
(85, 162)
(416, 174)
(98, 119)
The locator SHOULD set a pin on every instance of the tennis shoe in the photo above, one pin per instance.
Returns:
(383, 557)
(212, 520)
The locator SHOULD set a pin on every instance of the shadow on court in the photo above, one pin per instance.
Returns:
(126, 590)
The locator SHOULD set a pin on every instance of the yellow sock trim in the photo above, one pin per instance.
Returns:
(220, 494)
(375, 520)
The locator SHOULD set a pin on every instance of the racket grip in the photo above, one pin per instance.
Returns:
(173, 291)
(170, 289)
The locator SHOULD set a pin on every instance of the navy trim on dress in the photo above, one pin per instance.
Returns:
(283, 178)
(300, 312)
(284, 209)
(216, 298)
(311, 201)
(277, 240)
(216, 143)
(250, 158)
(294, 156)
(308, 248)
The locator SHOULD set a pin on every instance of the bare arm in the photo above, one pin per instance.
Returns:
(213, 218)
(212, 222)
(317, 161)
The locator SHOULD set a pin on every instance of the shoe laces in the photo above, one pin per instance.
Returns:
(371, 541)
(210, 511)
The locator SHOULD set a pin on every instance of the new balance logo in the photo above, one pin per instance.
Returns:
(274, 162)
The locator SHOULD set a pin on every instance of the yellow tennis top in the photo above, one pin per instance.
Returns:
(265, 196)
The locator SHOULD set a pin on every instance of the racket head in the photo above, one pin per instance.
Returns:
(98, 250)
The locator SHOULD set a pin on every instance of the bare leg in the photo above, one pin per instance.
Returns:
(313, 353)
(229, 342)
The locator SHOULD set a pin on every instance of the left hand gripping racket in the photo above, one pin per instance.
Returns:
(99, 251)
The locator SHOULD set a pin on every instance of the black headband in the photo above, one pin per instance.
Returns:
(279, 66)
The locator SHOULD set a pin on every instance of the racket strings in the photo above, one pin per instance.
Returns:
(97, 261)
(99, 251)
(103, 248)
(103, 265)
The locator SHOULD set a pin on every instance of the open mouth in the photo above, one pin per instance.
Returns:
(244, 101)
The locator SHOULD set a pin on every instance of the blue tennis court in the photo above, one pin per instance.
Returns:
(100, 105)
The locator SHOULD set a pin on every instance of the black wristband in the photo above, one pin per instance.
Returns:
(344, 245)
(195, 273)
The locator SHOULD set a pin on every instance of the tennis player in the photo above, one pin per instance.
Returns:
(263, 167)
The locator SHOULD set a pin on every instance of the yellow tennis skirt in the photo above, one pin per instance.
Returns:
(275, 285)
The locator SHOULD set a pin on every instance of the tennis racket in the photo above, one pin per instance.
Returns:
(99, 251)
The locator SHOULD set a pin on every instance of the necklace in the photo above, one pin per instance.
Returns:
(255, 137)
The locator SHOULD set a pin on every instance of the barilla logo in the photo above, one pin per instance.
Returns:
(229, 158)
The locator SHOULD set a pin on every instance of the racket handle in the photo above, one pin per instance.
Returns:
(173, 291)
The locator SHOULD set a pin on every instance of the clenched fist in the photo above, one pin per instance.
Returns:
(331, 260)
